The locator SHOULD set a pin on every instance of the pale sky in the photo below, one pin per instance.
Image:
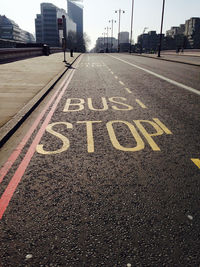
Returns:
(97, 13)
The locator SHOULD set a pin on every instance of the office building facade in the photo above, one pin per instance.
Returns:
(123, 37)
(75, 13)
(9, 30)
(49, 25)
(192, 32)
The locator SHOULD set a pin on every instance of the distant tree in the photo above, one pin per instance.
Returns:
(80, 45)
(87, 41)
(71, 40)
(78, 42)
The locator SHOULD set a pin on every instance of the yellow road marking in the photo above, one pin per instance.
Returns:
(140, 103)
(196, 162)
(128, 90)
(90, 138)
(121, 82)
(115, 142)
(162, 126)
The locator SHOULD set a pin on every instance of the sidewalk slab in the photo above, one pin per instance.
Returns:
(193, 60)
(23, 83)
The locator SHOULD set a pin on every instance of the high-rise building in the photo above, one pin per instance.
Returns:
(11, 31)
(38, 28)
(48, 25)
(104, 43)
(148, 42)
(192, 32)
(123, 37)
(176, 31)
(75, 12)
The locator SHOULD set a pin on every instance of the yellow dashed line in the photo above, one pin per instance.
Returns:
(140, 103)
(121, 83)
(128, 90)
(196, 162)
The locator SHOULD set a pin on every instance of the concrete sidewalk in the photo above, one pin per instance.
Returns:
(185, 58)
(23, 83)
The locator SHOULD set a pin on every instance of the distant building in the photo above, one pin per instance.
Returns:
(49, 25)
(148, 42)
(9, 30)
(123, 37)
(192, 32)
(38, 28)
(185, 36)
(75, 13)
(176, 31)
(102, 44)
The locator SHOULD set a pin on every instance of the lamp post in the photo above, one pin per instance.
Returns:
(64, 36)
(160, 41)
(120, 11)
(107, 28)
(112, 21)
(131, 36)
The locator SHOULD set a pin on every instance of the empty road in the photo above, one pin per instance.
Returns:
(106, 171)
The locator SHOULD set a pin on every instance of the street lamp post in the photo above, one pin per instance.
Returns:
(160, 40)
(107, 28)
(112, 21)
(64, 39)
(120, 11)
(131, 36)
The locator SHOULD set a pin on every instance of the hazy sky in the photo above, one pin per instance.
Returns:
(97, 13)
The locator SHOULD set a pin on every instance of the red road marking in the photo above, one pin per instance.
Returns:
(4, 170)
(10, 189)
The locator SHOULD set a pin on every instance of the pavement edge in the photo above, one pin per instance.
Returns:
(170, 60)
(12, 125)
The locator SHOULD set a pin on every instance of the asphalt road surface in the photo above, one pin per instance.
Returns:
(107, 172)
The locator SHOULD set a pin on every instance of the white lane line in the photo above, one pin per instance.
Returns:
(112, 72)
(188, 88)
(140, 103)
(128, 90)
(116, 77)
(121, 83)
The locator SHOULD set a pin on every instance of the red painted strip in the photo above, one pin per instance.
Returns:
(4, 170)
(9, 191)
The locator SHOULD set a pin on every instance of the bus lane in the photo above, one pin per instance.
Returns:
(97, 179)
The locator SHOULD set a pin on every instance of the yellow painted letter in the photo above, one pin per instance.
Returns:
(64, 139)
(80, 105)
(115, 142)
(105, 105)
(128, 107)
(90, 138)
(147, 135)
